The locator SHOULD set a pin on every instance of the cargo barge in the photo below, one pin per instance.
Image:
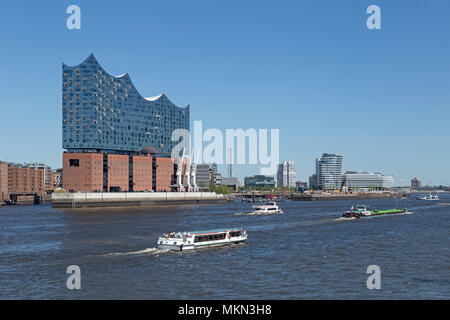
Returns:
(363, 211)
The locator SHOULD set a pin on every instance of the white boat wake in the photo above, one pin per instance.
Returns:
(241, 213)
(254, 214)
(344, 219)
(149, 251)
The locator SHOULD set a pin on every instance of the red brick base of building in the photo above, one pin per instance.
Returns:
(98, 172)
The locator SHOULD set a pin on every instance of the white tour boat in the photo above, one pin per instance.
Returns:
(199, 239)
(267, 208)
(429, 197)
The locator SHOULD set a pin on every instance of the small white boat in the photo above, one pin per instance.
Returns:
(429, 197)
(267, 208)
(200, 239)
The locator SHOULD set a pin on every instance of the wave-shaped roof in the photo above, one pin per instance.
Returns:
(91, 59)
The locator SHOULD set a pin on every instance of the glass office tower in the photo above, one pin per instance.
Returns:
(286, 174)
(329, 171)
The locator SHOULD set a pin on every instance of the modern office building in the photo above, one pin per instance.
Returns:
(114, 138)
(259, 182)
(313, 182)
(300, 185)
(203, 176)
(286, 174)
(416, 183)
(231, 182)
(329, 171)
(218, 179)
(214, 168)
(365, 181)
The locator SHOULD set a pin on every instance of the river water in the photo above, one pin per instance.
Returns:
(305, 253)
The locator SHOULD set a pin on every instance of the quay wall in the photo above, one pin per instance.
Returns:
(129, 199)
(324, 197)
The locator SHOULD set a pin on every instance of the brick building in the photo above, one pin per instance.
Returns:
(3, 181)
(83, 171)
(105, 172)
(142, 169)
(110, 133)
(117, 172)
(164, 174)
(25, 180)
(49, 176)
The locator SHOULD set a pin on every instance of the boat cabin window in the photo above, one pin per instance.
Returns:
(211, 237)
(235, 233)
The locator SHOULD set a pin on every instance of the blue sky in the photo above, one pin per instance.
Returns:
(310, 68)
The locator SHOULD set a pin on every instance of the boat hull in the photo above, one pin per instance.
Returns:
(182, 247)
(376, 213)
(387, 212)
(173, 247)
(266, 212)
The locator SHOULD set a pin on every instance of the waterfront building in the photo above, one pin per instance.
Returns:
(203, 176)
(214, 168)
(49, 176)
(142, 173)
(231, 182)
(259, 182)
(365, 181)
(59, 178)
(106, 172)
(164, 169)
(404, 190)
(108, 127)
(104, 113)
(416, 183)
(83, 172)
(300, 185)
(22, 179)
(329, 171)
(313, 182)
(4, 194)
(218, 179)
(286, 174)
